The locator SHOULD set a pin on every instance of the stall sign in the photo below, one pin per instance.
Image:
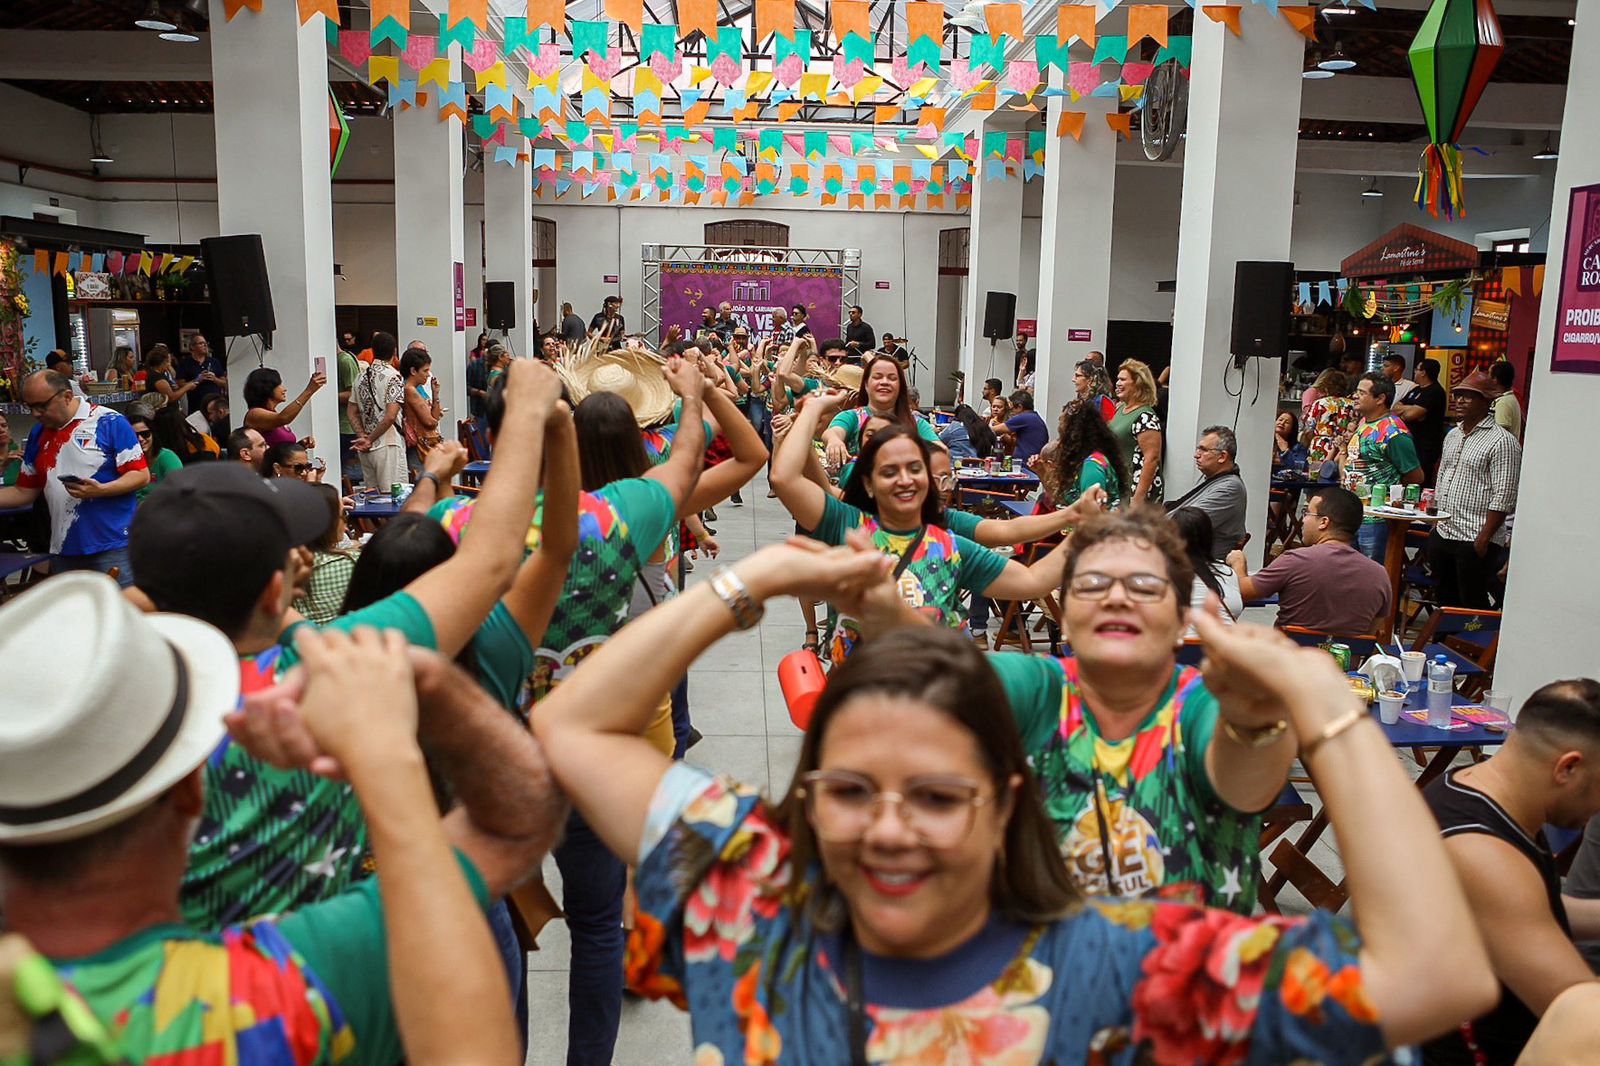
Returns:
(1028, 327)
(1410, 249)
(1491, 314)
(92, 285)
(1577, 340)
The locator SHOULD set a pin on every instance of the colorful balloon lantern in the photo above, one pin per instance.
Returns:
(1452, 58)
(338, 134)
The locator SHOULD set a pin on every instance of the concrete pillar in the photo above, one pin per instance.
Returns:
(993, 265)
(1238, 203)
(1552, 589)
(271, 86)
(508, 237)
(430, 243)
(1074, 248)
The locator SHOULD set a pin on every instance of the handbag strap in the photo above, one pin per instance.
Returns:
(855, 998)
(910, 552)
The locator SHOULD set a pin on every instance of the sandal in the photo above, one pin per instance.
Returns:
(811, 644)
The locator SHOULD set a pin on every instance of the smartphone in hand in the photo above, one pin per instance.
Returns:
(320, 365)
(69, 479)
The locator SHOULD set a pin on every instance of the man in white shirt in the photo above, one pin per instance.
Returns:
(375, 415)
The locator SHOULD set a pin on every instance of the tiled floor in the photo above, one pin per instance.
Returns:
(736, 703)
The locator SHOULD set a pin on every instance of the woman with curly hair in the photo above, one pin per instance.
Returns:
(1085, 454)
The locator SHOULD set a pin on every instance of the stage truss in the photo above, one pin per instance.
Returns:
(652, 256)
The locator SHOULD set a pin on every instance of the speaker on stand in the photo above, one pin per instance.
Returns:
(999, 318)
(237, 268)
(500, 305)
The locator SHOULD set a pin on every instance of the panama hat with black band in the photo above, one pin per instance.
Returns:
(106, 708)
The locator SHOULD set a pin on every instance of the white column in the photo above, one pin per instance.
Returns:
(1552, 588)
(993, 265)
(271, 87)
(430, 243)
(1074, 247)
(1238, 203)
(508, 237)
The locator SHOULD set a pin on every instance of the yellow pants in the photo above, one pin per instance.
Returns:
(659, 731)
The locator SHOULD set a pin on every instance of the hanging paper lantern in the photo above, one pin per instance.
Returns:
(338, 134)
(1452, 58)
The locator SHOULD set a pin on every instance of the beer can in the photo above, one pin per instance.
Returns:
(1341, 655)
(1413, 495)
(397, 490)
(1428, 501)
(1380, 495)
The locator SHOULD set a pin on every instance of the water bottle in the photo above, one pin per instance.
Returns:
(1441, 684)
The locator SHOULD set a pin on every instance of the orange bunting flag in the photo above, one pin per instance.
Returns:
(849, 16)
(628, 12)
(774, 16)
(696, 114)
(1075, 20)
(543, 13)
(747, 198)
(473, 11)
(1030, 108)
(1538, 279)
(766, 172)
(1226, 14)
(882, 199)
(786, 111)
(231, 8)
(399, 10)
(936, 203)
(840, 100)
(697, 15)
(329, 8)
(829, 199)
(1303, 19)
(963, 201)
(932, 116)
(856, 201)
(885, 112)
(691, 198)
(61, 263)
(909, 201)
(730, 170)
(719, 197)
(1121, 122)
(924, 19)
(1071, 122)
(41, 261)
(1150, 20)
(983, 101)
(1511, 281)
(1004, 19)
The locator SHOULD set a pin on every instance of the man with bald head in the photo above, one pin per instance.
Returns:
(87, 462)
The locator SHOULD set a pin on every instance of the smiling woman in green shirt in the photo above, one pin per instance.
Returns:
(161, 460)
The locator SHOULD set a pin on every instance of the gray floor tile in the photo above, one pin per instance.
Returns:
(724, 702)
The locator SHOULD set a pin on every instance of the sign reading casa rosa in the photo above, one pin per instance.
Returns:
(1577, 341)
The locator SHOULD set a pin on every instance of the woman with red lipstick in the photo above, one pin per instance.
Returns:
(904, 903)
(884, 393)
(891, 494)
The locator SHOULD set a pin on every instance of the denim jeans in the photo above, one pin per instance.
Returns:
(760, 416)
(1373, 540)
(516, 963)
(978, 616)
(592, 883)
(100, 561)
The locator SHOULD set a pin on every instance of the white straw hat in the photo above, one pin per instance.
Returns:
(102, 708)
(634, 374)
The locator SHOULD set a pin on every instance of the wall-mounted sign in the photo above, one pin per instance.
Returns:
(472, 317)
(1084, 335)
(610, 279)
(1491, 314)
(1577, 342)
(1410, 249)
(880, 284)
(461, 297)
(428, 320)
(1028, 327)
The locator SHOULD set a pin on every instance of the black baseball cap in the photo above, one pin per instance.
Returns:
(216, 532)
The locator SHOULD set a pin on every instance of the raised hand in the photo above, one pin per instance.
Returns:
(684, 378)
(447, 460)
(532, 386)
(360, 695)
(1260, 676)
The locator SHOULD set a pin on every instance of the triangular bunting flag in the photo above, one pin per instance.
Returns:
(1227, 14)
(330, 8)
(231, 8)
(1121, 122)
(1303, 19)
(1071, 124)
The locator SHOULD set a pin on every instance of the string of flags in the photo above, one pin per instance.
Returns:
(124, 264)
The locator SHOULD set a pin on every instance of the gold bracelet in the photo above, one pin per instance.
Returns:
(1333, 729)
(1256, 737)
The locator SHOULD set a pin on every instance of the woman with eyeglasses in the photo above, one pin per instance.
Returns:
(891, 495)
(161, 461)
(1092, 385)
(290, 460)
(903, 901)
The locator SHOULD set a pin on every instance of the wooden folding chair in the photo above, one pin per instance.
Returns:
(1361, 644)
(1470, 633)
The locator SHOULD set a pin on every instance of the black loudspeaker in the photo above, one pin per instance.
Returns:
(500, 305)
(237, 268)
(1261, 298)
(999, 315)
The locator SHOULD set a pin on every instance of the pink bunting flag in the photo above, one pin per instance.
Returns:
(904, 73)
(421, 49)
(1083, 78)
(848, 74)
(927, 132)
(355, 46)
(839, 143)
(917, 185)
(603, 177)
(114, 262)
(1137, 73)
(548, 61)
(726, 70)
(608, 66)
(795, 143)
(1022, 76)
(789, 70)
(965, 77)
(485, 53)
(1014, 149)
(667, 68)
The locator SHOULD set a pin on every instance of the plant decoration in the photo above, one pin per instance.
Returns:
(1451, 299)
(15, 346)
(1452, 58)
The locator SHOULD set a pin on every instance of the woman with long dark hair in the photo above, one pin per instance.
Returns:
(1085, 453)
(967, 435)
(1093, 385)
(270, 412)
(1211, 578)
(885, 393)
(176, 434)
(891, 495)
(829, 928)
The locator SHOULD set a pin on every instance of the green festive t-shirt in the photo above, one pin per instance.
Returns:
(1164, 830)
(943, 567)
(1382, 452)
(853, 421)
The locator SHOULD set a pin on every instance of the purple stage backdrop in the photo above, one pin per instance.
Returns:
(754, 290)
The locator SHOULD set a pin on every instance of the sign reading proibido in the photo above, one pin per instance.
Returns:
(1577, 341)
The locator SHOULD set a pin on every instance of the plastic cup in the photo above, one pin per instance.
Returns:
(1411, 663)
(1390, 704)
(1499, 699)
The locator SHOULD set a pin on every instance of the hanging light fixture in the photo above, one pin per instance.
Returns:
(1548, 151)
(179, 36)
(1337, 60)
(97, 154)
(154, 19)
(1372, 191)
(1316, 72)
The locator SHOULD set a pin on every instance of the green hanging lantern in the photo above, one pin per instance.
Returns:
(1452, 59)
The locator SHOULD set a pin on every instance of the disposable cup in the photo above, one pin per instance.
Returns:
(1499, 699)
(1390, 704)
(1411, 663)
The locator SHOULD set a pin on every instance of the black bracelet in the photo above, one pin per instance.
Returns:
(429, 475)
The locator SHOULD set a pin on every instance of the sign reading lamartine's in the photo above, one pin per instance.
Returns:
(1577, 340)
(1410, 249)
(755, 289)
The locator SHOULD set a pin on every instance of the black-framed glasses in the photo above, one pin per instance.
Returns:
(300, 468)
(1141, 588)
(939, 809)
(36, 408)
(142, 434)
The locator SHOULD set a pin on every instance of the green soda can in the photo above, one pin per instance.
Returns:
(1341, 655)
(397, 490)
(1413, 496)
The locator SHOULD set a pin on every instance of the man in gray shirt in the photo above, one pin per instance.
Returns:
(1220, 492)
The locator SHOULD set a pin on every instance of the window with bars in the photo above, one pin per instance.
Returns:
(954, 245)
(544, 242)
(748, 233)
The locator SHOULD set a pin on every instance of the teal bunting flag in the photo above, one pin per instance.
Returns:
(529, 127)
(629, 130)
(954, 139)
(332, 29)
(903, 188)
(1050, 51)
(799, 46)
(856, 47)
(389, 30)
(590, 37)
(1035, 141)
(696, 183)
(463, 33)
(799, 186)
(676, 133)
(994, 144)
(577, 132)
(1179, 48)
(657, 39)
(771, 140)
(816, 144)
(925, 50)
(860, 143)
(766, 187)
(1111, 49)
(990, 51)
(729, 42)
(519, 36)
(725, 139)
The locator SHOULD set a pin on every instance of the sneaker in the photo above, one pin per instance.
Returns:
(980, 638)
(736, 499)
(708, 515)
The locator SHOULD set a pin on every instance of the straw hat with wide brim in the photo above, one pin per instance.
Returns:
(105, 708)
(637, 376)
(846, 376)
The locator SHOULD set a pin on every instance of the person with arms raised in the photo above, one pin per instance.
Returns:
(885, 394)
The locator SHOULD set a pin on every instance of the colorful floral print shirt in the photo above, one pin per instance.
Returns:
(716, 933)
(1145, 802)
(1330, 419)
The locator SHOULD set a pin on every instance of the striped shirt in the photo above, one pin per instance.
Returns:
(1477, 474)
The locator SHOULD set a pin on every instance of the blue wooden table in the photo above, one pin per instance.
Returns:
(475, 471)
(374, 507)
